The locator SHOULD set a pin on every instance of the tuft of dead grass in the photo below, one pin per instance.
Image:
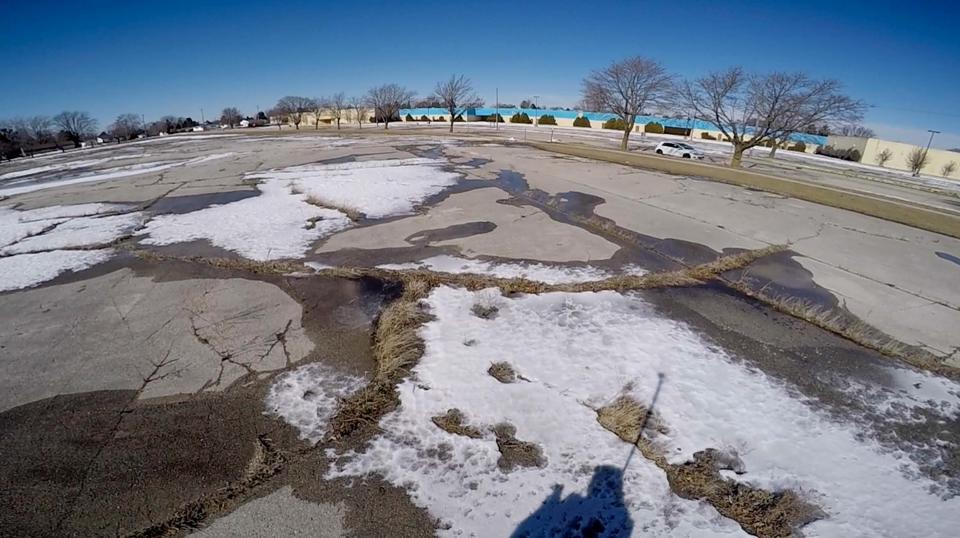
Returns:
(759, 512)
(238, 264)
(514, 452)
(453, 422)
(503, 372)
(485, 311)
(352, 213)
(397, 346)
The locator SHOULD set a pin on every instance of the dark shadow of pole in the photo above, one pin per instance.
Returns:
(646, 418)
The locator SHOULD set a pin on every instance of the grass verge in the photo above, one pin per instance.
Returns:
(873, 205)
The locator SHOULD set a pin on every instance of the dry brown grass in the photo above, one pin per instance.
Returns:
(514, 452)
(397, 346)
(694, 275)
(847, 325)
(453, 422)
(352, 213)
(503, 372)
(759, 512)
(237, 264)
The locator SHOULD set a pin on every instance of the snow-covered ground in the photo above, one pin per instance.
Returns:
(26, 270)
(549, 274)
(578, 352)
(308, 396)
(30, 241)
(282, 222)
(274, 225)
(376, 188)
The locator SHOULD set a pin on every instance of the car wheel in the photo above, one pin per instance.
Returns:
(660, 152)
(686, 155)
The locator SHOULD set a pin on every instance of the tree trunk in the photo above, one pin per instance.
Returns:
(338, 124)
(773, 150)
(386, 124)
(451, 124)
(626, 134)
(737, 156)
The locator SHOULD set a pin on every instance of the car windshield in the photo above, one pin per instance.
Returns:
(684, 146)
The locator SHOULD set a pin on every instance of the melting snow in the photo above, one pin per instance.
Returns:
(26, 270)
(112, 173)
(276, 224)
(549, 274)
(375, 188)
(579, 351)
(16, 225)
(308, 396)
(78, 232)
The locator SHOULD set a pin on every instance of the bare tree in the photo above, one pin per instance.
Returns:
(948, 169)
(387, 100)
(456, 95)
(292, 107)
(75, 125)
(883, 157)
(626, 88)
(337, 104)
(318, 107)
(39, 128)
(856, 130)
(231, 116)
(125, 126)
(358, 105)
(916, 160)
(751, 110)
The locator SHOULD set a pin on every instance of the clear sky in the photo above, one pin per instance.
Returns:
(176, 57)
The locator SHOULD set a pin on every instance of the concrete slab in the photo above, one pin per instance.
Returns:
(280, 514)
(115, 331)
(521, 232)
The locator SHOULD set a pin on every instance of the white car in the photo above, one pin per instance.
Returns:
(679, 149)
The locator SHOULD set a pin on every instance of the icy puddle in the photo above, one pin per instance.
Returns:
(551, 467)
(301, 204)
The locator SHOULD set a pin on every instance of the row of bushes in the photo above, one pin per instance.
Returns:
(849, 154)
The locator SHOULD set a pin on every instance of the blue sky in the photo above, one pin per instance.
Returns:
(175, 57)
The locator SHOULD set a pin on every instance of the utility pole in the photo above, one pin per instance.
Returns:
(925, 151)
(143, 121)
(535, 99)
(496, 119)
(202, 119)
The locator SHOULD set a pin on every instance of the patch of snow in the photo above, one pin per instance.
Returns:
(28, 270)
(16, 225)
(274, 225)
(549, 274)
(111, 173)
(307, 397)
(578, 351)
(317, 266)
(78, 232)
(376, 188)
(69, 165)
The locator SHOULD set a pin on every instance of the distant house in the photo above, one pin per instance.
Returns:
(103, 138)
(245, 123)
(197, 129)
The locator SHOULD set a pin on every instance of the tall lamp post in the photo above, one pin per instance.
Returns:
(535, 99)
(927, 149)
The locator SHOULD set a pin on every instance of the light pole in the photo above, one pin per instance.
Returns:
(930, 141)
(536, 122)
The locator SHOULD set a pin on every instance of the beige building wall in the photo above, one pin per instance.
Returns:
(870, 148)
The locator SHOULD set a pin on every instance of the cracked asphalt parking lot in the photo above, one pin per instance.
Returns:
(133, 376)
